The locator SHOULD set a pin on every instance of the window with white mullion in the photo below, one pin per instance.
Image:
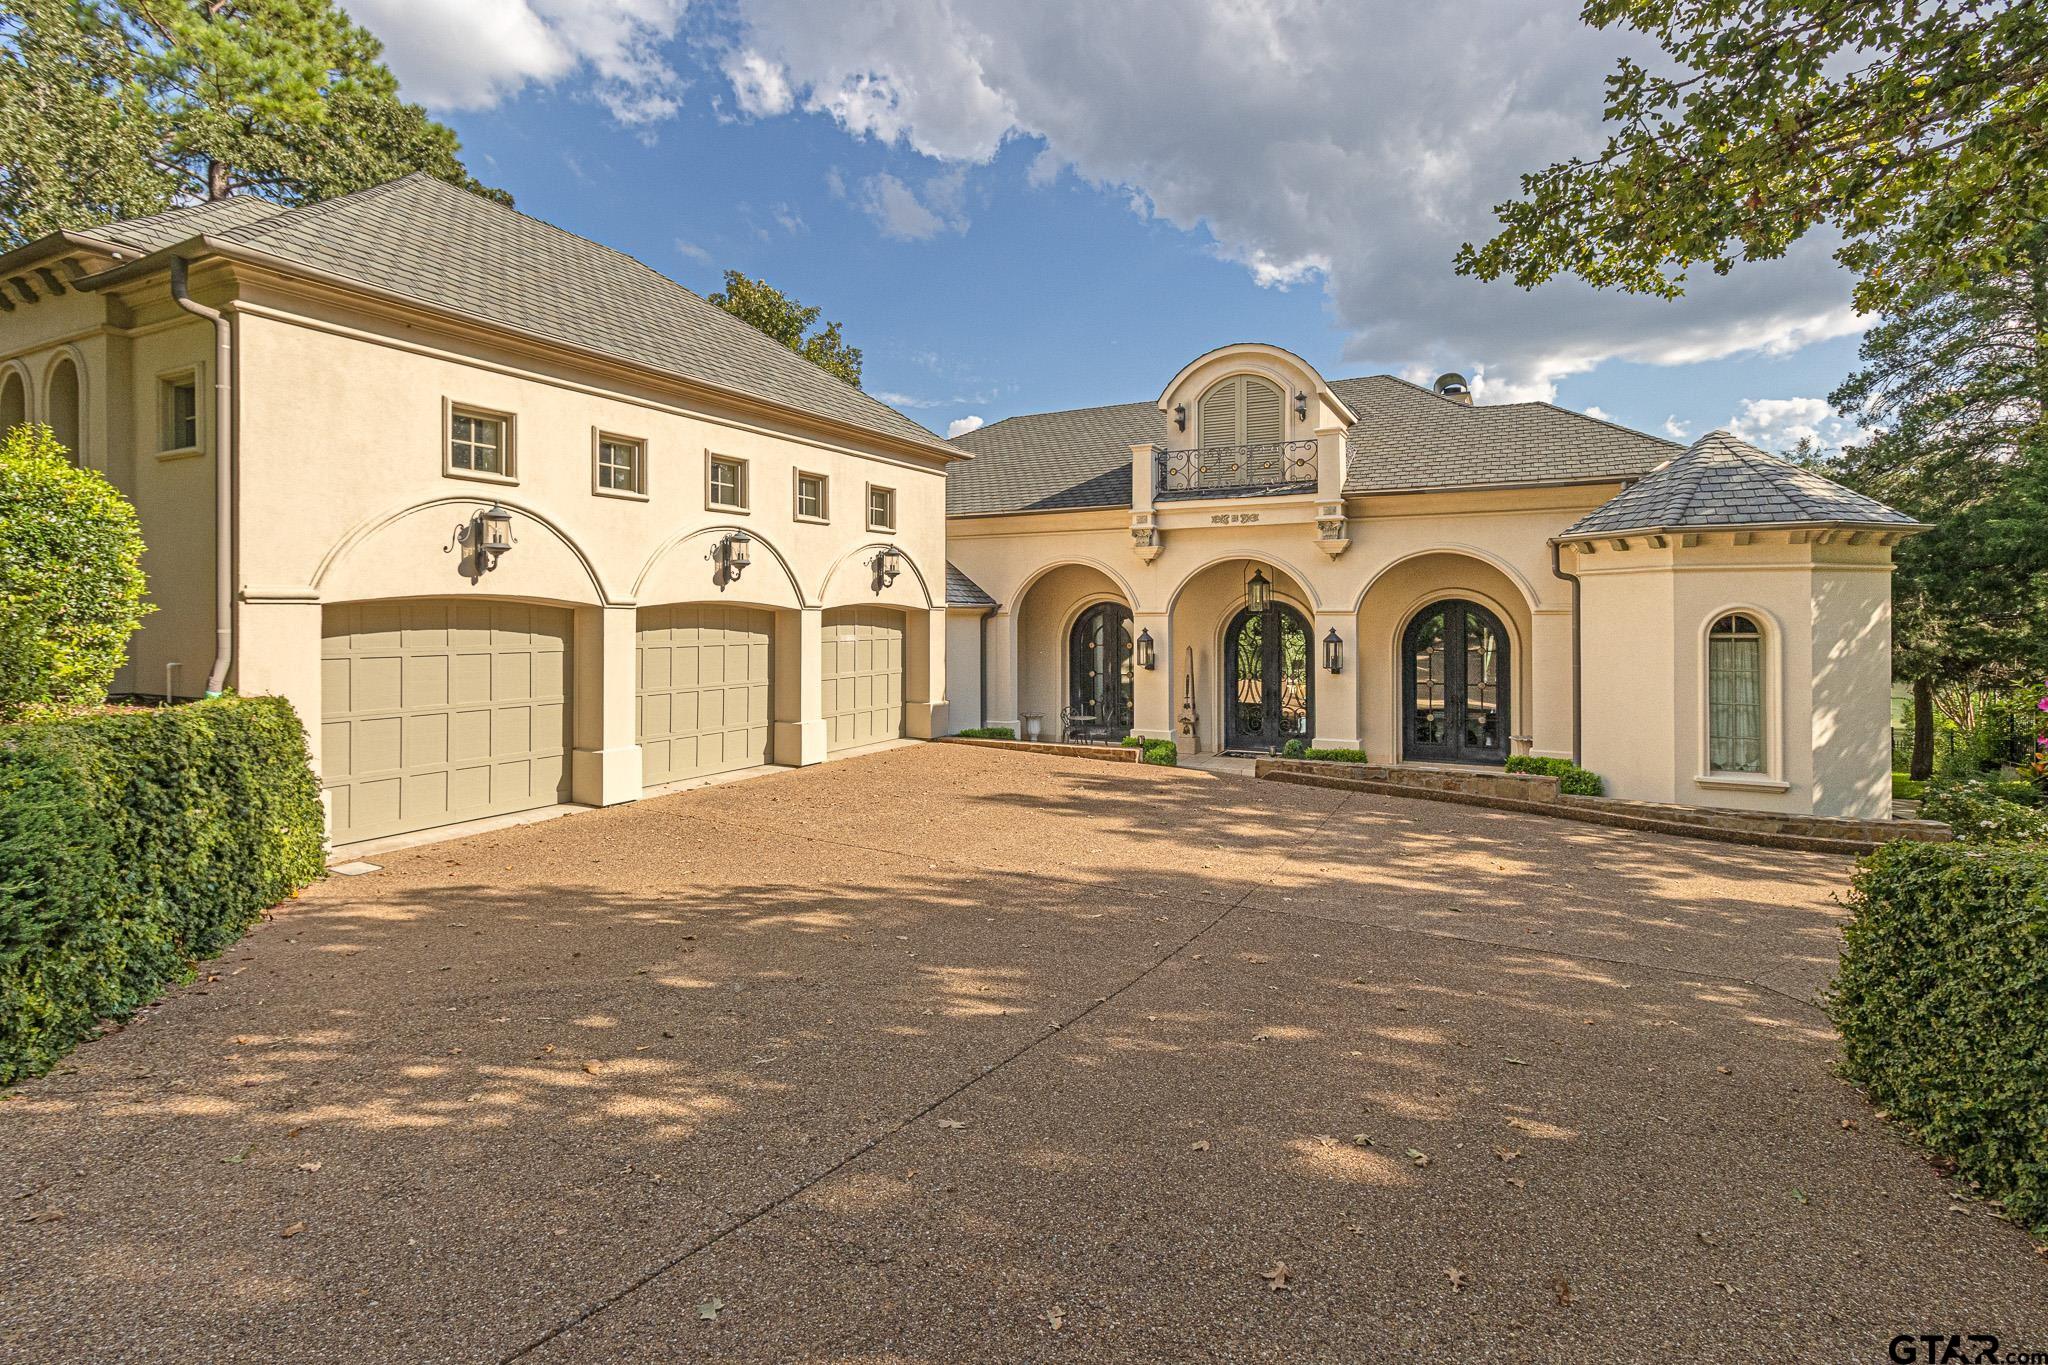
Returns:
(1735, 696)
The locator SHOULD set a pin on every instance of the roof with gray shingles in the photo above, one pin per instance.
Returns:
(444, 247)
(164, 229)
(1407, 439)
(962, 591)
(1722, 482)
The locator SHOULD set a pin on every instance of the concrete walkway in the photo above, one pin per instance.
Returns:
(947, 1054)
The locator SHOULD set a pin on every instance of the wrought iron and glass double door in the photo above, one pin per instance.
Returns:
(1268, 684)
(1099, 674)
(1455, 685)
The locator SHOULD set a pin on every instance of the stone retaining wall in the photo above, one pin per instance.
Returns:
(1107, 753)
(1538, 795)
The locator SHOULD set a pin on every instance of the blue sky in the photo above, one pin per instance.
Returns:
(1003, 234)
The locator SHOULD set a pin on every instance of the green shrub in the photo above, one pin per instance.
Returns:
(1161, 751)
(1294, 748)
(71, 579)
(1982, 811)
(988, 732)
(1938, 1001)
(133, 843)
(1572, 780)
(1335, 755)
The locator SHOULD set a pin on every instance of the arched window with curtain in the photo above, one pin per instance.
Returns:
(1735, 695)
(13, 401)
(62, 407)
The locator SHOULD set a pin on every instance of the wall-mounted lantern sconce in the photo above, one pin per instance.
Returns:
(887, 564)
(486, 536)
(1301, 406)
(1180, 416)
(1258, 591)
(1333, 652)
(732, 555)
(1143, 653)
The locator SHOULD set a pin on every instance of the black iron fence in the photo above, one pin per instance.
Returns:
(1223, 471)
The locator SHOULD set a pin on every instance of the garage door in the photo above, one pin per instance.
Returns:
(437, 711)
(863, 676)
(704, 691)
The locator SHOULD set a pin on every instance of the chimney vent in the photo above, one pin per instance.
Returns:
(1452, 385)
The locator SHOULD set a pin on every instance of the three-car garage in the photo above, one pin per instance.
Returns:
(441, 710)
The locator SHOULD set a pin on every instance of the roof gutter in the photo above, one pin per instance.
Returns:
(1557, 568)
(1897, 528)
(223, 478)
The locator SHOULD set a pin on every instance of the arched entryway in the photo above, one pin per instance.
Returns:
(1269, 685)
(1455, 685)
(1099, 677)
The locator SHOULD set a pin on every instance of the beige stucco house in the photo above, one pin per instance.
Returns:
(1262, 555)
(510, 518)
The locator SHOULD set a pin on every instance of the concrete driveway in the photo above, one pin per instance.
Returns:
(947, 1054)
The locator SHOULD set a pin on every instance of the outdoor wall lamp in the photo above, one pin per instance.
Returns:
(1301, 406)
(733, 554)
(887, 563)
(1180, 416)
(1143, 653)
(1333, 652)
(1258, 591)
(486, 536)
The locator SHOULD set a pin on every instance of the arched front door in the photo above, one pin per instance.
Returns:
(1099, 674)
(1455, 685)
(1269, 695)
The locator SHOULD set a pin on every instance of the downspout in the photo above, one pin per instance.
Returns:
(981, 665)
(1557, 568)
(223, 479)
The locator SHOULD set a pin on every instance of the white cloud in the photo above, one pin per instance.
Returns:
(1677, 430)
(902, 213)
(471, 54)
(960, 426)
(1597, 411)
(1779, 424)
(1352, 145)
(757, 84)
(693, 251)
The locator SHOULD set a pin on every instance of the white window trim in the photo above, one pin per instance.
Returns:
(449, 409)
(745, 505)
(796, 501)
(202, 411)
(1772, 778)
(868, 508)
(638, 492)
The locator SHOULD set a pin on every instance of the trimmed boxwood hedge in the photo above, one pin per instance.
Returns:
(1939, 999)
(133, 843)
(987, 732)
(1161, 751)
(1572, 780)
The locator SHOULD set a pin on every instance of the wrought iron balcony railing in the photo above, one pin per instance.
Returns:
(1234, 471)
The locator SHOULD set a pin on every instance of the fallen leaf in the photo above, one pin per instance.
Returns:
(590, 1067)
(1706, 1239)
(309, 1166)
(1517, 1182)
(1420, 1158)
(1562, 1289)
(1800, 1195)
(1514, 1061)
(1849, 1125)
(1457, 1278)
(1200, 1146)
(1507, 1153)
(1724, 1285)
(1724, 1071)
(709, 1309)
(1056, 1316)
(951, 1123)
(292, 1229)
(1277, 1279)
(44, 1216)
(239, 1157)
